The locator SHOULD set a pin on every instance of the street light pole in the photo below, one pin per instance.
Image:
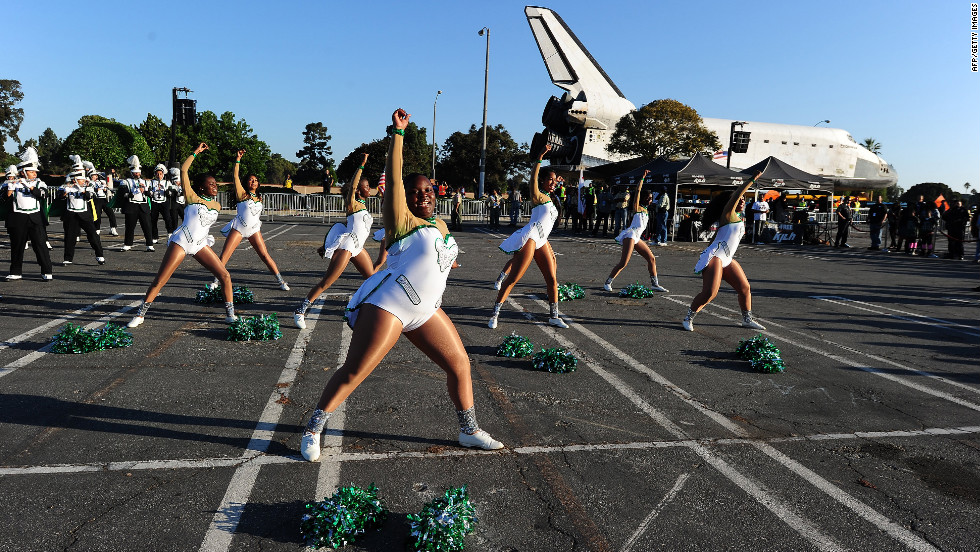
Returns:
(434, 134)
(483, 149)
(823, 121)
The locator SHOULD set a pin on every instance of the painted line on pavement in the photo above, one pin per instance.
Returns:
(886, 525)
(335, 456)
(328, 477)
(26, 335)
(229, 513)
(274, 234)
(910, 316)
(763, 496)
(655, 512)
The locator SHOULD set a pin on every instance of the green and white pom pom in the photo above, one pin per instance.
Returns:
(240, 296)
(255, 328)
(443, 523)
(556, 361)
(515, 346)
(338, 520)
(569, 292)
(636, 291)
(75, 339)
(761, 354)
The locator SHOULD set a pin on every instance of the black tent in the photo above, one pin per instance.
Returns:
(699, 170)
(779, 175)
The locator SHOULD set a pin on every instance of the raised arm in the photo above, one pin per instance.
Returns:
(239, 190)
(636, 200)
(733, 201)
(394, 209)
(535, 190)
(350, 192)
(185, 179)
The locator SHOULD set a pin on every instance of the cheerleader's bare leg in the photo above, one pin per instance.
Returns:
(644, 250)
(338, 262)
(545, 258)
(710, 283)
(623, 261)
(258, 244)
(735, 277)
(518, 266)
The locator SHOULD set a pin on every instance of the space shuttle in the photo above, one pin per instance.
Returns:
(580, 123)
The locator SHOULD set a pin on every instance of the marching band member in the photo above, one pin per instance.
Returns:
(178, 203)
(136, 208)
(192, 238)
(404, 298)
(344, 242)
(80, 212)
(102, 191)
(248, 224)
(161, 193)
(25, 221)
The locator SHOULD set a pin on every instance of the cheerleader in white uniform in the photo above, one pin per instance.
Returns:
(404, 298)
(531, 242)
(248, 224)
(344, 242)
(630, 239)
(718, 263)
(193, 238)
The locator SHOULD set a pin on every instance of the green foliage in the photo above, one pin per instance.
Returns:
(224, 135)
(106, 143)
(277, 168)
(871, 145)
(376, 150)
(459, 163)
(157, 136)
(11, 116)
(49, 150)
(662, 127)
(931, 190)
(314, 158)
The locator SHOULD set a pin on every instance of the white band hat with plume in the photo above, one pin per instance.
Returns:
(134, 164)
(12, 170)
(28, 159)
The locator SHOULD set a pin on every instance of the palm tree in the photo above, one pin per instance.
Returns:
(872, 145)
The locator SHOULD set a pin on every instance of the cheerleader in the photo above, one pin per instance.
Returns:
(404, 298)
(101, 191)
(247, 224)
(136, 208)
(345, 242)
(161, 192)
(80, 212)
(192, 238)
(531, 242)
(25, 222)
(630, 239)
(718, 263)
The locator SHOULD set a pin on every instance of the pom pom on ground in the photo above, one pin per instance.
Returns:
(255, 328)
(443, 523)
(636, 291)
(74, 339)
(761, 354)
(556, 361)
(209, 296)
(569, 292)
(338, 520)
(515, 346)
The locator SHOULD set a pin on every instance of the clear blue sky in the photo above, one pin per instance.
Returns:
(897, 71)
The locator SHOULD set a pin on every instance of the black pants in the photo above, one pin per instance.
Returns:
(102, 207)
(22, 228)
(143, 217)
(495, 217)
(456, 220)
(74, 224)
(955, 240)
(843, 229)
(601, 219)
(165, 210)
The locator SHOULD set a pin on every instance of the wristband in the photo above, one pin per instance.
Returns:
(361, 168)
(194, 155)
(237, 161)
(540, 161)
(400, 131)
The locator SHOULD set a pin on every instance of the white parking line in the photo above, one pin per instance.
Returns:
(274, 234)
(18, 338)
(31, 357)
(655, 512)
(763, 496)
(909, 316)
(226, 518)
(895, 530)
(328, 477)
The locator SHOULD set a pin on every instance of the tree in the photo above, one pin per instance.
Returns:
(106, 143)
(157, 136)
(11, 116)
(930, 190)
(376, 150)
(460, 160)
(224, 135)
(49, 150)
(662, 127)
(314, 158)
(278, 168)
(872, 145)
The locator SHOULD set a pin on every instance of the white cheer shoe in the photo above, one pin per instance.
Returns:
(299, 320)
(310, 446)
(136, 321)
(481, 439)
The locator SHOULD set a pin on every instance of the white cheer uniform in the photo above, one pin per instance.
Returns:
(411, 287)
(194, 234)
(723, 246)
(542, 221)
(636, 227)
(349, 236)
(248, 221)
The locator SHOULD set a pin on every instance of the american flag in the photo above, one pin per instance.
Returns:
(721, 154)
(381, 184)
